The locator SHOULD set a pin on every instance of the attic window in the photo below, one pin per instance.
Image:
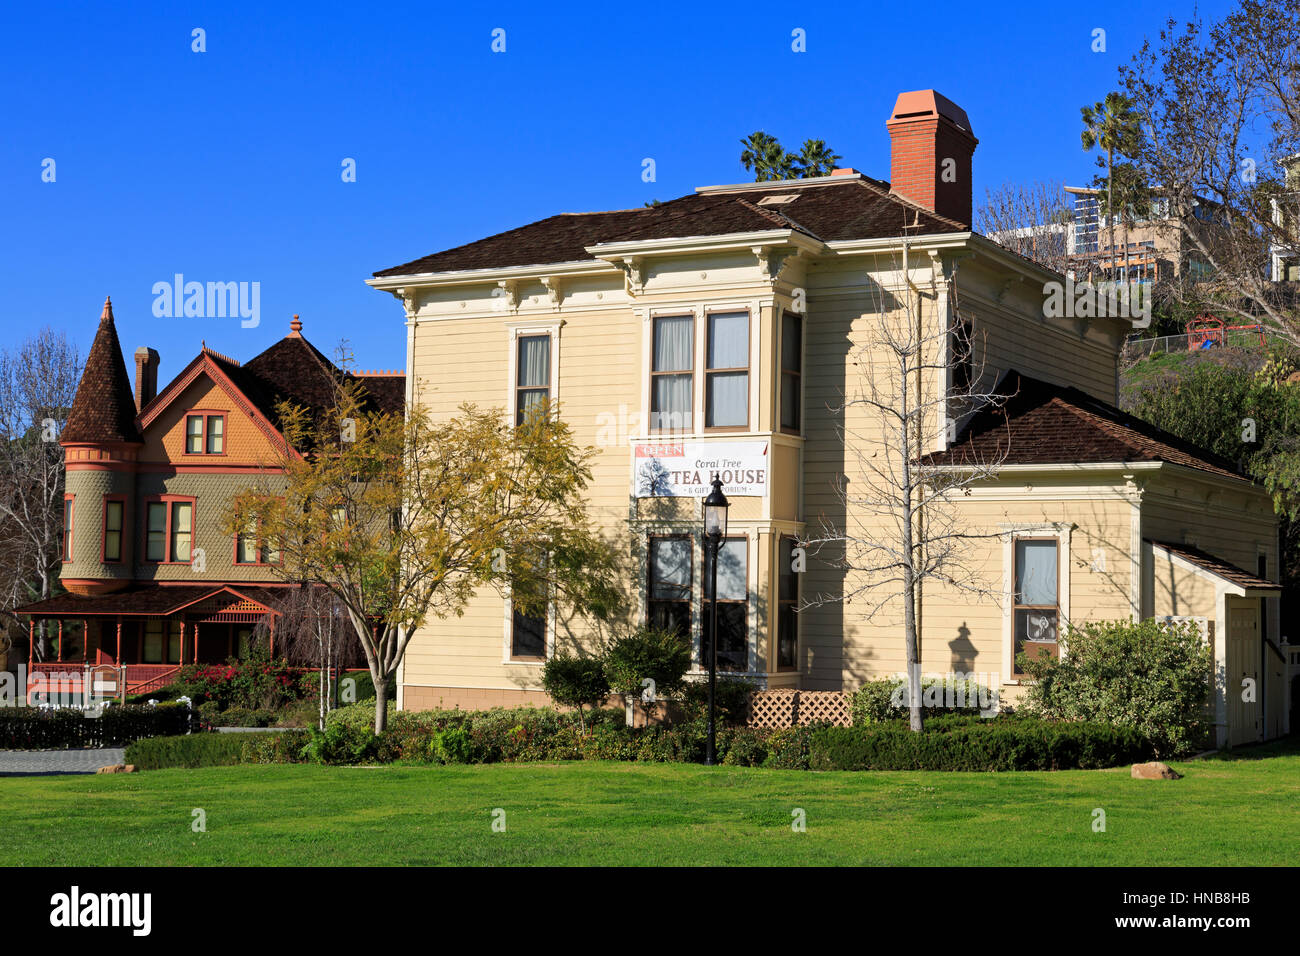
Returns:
(778, 200)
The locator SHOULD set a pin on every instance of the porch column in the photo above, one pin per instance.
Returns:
(31, 642)
(117, 647)
(60, 655)
(85, 639)
(196, 644)
(182, 641)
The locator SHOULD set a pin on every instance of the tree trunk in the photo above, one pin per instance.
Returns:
(1110, 205)
(381, 702)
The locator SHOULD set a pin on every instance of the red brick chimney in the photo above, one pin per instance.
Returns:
(931, 149)
(146, 376)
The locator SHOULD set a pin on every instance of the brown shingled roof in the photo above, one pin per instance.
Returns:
(104, 407)
(852, 208)
(1223, 569)
(1041, 423)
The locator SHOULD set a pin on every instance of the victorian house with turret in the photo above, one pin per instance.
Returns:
(152, 580)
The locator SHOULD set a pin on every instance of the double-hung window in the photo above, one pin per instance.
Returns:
(791, 371)
(787, 618)
(162, 638)
(113, 514)
(672, 375)
(67, 527)
(733, 607)
(532, 375)
(205, 434)
(669, 585)
(1036, 607)
(169, 531)
(726, 375)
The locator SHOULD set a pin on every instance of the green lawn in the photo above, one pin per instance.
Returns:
(1225, 811)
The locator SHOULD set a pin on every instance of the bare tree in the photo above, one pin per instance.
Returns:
(38, 381)
(1220, 110)
(312, 629)
(903, 525)
(1031, 219)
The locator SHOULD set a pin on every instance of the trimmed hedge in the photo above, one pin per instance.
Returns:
(972, 743)
(216, 750)
(34, 728)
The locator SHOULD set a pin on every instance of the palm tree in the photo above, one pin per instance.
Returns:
(1114, 126)
(764, 154)
(816, 159)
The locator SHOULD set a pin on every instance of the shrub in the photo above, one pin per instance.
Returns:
(575, 682)
(280, 747)
(258, 682)
(194, 750)
(744, 747)
(662, 656)
(965, 743)
(340, 744)
(730, 699)
(33, 728)
(788, 748)
(874, 701)
(1147, 675)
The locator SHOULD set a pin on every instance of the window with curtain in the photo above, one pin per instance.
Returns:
(669, 585)
(194, 434)
(1037, 606)
(533, 374)
(726, 377)
(787, 620)
(67, 527)
(113, 530)
(216, 434)
(791, 371)
(156, 524)
(672, 374)
(182, 530)
(733, 607)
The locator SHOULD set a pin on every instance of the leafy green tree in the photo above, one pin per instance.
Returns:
(1245, 414)
(403, 518)
(764, 155)
(816, 159)
(1142, 674)
(1113, 126)
(573, 681)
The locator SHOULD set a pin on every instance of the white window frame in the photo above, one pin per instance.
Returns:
(523, 330)
(700, 311)
(1061, 531)
(508, 635)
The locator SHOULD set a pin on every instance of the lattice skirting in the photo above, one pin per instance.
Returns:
(790, 708)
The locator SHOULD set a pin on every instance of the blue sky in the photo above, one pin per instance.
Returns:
(226, 165)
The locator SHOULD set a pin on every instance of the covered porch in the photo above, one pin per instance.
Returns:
(1237, 612)
(146, 634)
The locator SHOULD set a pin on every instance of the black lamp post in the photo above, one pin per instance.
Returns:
(715, 529)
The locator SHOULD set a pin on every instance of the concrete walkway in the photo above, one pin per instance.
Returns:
(28, 763)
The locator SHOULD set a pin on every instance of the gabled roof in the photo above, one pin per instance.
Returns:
(1042, 424)
(104, 407)
(827, 208)
(290, 370)
(148, 599)
(1209, 563)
